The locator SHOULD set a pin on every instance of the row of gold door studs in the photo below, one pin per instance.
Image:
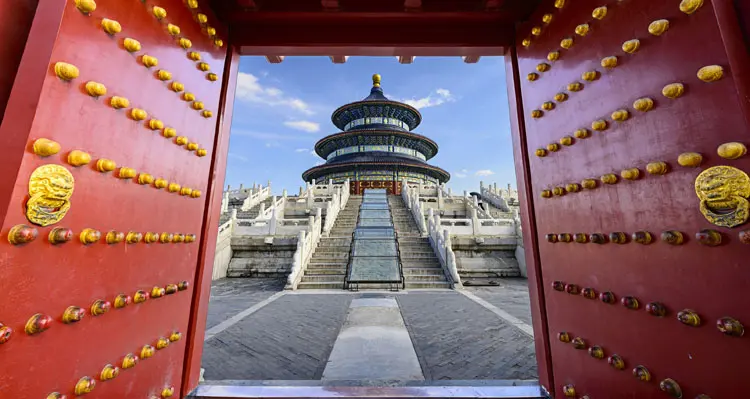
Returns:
(640, 372)
(109, 372)
(23, 234)
(656, 28)
(711, 238)
(67, 72)
(39, 323)
(731, 151)
(727, 325)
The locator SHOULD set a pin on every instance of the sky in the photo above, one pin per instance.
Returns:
(282, 110)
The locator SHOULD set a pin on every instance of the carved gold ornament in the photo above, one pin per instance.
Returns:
(590, 76)
(175, 335)
(690, 159)
(547, 18)
(173, 187)
(536, 113)
(567, 141)
(169, 132)
(188, 96)
(690, 6)
(201, 152)
(194, 55)
(609, 178)
(671, 387)
(109, 372)
(145, 178)
(173, 30)
(582, 29)
(181, 140)
(620, 115)
(84, 385)
(155, 124)
(162, 343)
(540, 152)
(644, 104)
(111, 26)
(723, 192)
(559, 3)
(732, 150)
(159, 12)
(185, 43)
(599, 125)
(201, 18)
(631, 46)
(581, 133)
(147, 351)
(149, 61)
(560, 97)
(160, 183)
(66, 71)
(558, 191)
(711, 73)
(211, 32)
(573, 187)
(138, 114)
(95, 89)
(536, 31)
(658, 27)
(673, 90)
(50, 189)
(569, 391)
(167, 392)
(532, 76)
(609, 62)
(204, 66)
(197, 105)
(196, 193)
(575, 86)
(131, 45)
(553, 56)
(588, 184)
(553, 147)
(546, 194)
(186, 191)
(45, 147)
(192, 4)
(119, 102)
(78, 158)
(163, 75)
(630, 174)
(176, 87)
(89, 236)
(206, 113)
(657, 168)
(126, 173)
(192, 146)
(548, 106)
(212, 77)
(543, 67)
(105, 165)
(526, 42)
(86, 6)
(115, 237)
(566, 43)
(599, 12)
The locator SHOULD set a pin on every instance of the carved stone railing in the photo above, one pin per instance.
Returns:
(493, 198)
(440, 240)
(479, 227)
(410, 195)
(306, 244)
(338, 201)
(277, 206)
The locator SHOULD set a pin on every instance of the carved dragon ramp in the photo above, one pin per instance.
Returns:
(635, 147)
(100, 239)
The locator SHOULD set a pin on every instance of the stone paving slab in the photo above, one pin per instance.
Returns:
(512, 296)
(230, 296)
(291, 338)
(456, 338)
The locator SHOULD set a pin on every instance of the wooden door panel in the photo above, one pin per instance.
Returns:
(709, 280)
(39, 277)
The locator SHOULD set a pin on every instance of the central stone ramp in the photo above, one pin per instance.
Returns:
(374, 260)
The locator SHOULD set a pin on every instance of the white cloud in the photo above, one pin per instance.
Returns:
(440, 96)
(238, 157)
(305, 126)
(459, 175)
(250, 89)
(268, 136)
(484, 172)
(301, 150)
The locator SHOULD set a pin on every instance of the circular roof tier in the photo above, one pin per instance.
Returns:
(414, 141)
(376, 105)
(434, 171)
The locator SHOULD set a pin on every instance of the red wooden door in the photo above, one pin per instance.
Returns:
(603, 123)
(107, 170)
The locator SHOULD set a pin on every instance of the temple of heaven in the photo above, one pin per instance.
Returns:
(376, 148)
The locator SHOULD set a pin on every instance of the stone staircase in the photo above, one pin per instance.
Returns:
(420, 265)
(327, 267)
(255, 211)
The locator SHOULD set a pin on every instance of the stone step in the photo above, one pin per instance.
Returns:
(325, 271)
(405, 263)
(494, 274)
(326, 265)
(427, 284)
(423, 277)
(327, 285)
(376, 286)
(332, 248)
(327, 278)
(408, 271)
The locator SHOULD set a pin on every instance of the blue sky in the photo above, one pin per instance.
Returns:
(281, 110)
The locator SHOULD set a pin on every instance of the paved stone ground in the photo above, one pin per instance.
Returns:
(289, 339)
(512, 296)
(457, 339)
(230, 296)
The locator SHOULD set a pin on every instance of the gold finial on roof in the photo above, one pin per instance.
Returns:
(376, 80)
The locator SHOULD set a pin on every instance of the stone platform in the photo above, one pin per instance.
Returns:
(257, 332)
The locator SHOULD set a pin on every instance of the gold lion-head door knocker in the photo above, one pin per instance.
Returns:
(50, 189)
(723, 192)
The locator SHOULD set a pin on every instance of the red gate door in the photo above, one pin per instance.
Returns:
(108, 147)
(634, 123)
